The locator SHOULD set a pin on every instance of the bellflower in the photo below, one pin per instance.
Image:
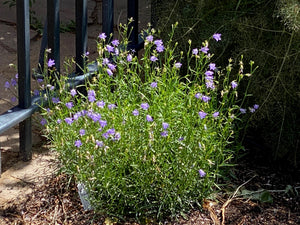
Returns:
(43, 122)
(100, 104)
(164, 133)
(205, 98)
(55, 100)
(69, 105)
(82, 132)
(91, 95)
(73, 92)
(99, 143)
(129, 57)
(69, 120)
(111, 106)
(153, 85)
(165, 125)
(144, 106)
(149, 38)
(212, 66)
(115, 43)
(202, 173)
(243, 111)
(215, 114)
(195, 51)
(7, 84)
(204, 49)
(102, 36)
(135, 112)
(198, 95)
(109, 72)
(109, 48)
(202, 114)
(153, 58)
(78, 143)
(217, 37)
(256, 106)
(149, 118)
(177, 65)
(51, 62)
(234, 84)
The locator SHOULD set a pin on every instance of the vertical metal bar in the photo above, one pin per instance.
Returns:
(108, 17)
(23, 49)
(133, 28)
(44, 44)
(54, 31)
(81, 33)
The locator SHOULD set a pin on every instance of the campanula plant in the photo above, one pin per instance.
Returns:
(148, 139)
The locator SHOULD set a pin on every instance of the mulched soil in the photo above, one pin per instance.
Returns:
(57, 202)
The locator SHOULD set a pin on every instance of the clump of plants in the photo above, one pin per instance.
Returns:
(148, 140)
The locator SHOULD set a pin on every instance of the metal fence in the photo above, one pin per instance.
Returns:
(21, 114)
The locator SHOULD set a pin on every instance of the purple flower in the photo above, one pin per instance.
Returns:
(55, 100)
(153, 58)
(202, 173)
(117, 136)
(43, 122)
(215, 114)
(149, 38)
(109, 72)
(204, 49)
(205, 98)
(109, 48)
(181, 139)
(58, 121)
(144, 106)
(111, 131)
(95, 116)
(164, 133)
(195, 51)
(73, 92)
(105, 61)
(39, 80)
(212, 66)
(160, 48)
(77, 115)
(153, 85)
(149, 118)
(178, 65)
(243, 111)
(129, 57)
(158, 42)
(103, 123)
(105, 135)
(51, 63)
(135, 112)
(100, 104)
(111, 66)
(102, 36)
(111, 106)
(209, 73)
(17, 76)
(36, 92)
(69, 105)
(13, 82)
(69, 120)
(234, 84)
(165, 125)
(82, 132)
(202, 114)
(217, 37)
(78, 143)
(252, 110)
(99, 143)
(115, 42)
(6, 85)
(256, 106)
(91, 95)
(86, 54)
(198, 95)
(210, 84)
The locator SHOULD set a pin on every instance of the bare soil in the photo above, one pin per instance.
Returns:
(57, 202)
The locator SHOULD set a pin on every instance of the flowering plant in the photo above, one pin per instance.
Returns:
(148, 139)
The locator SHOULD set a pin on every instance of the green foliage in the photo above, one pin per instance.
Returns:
(150, 139)
(266, 32)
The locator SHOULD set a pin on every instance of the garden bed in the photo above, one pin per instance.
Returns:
(57, 202)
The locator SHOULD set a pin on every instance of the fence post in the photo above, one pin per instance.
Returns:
(53, 25)
(133, 29)
(108, 17)
(23, 49)
(81, 34)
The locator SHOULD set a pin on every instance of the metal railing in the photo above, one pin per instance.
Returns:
(21, 114)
